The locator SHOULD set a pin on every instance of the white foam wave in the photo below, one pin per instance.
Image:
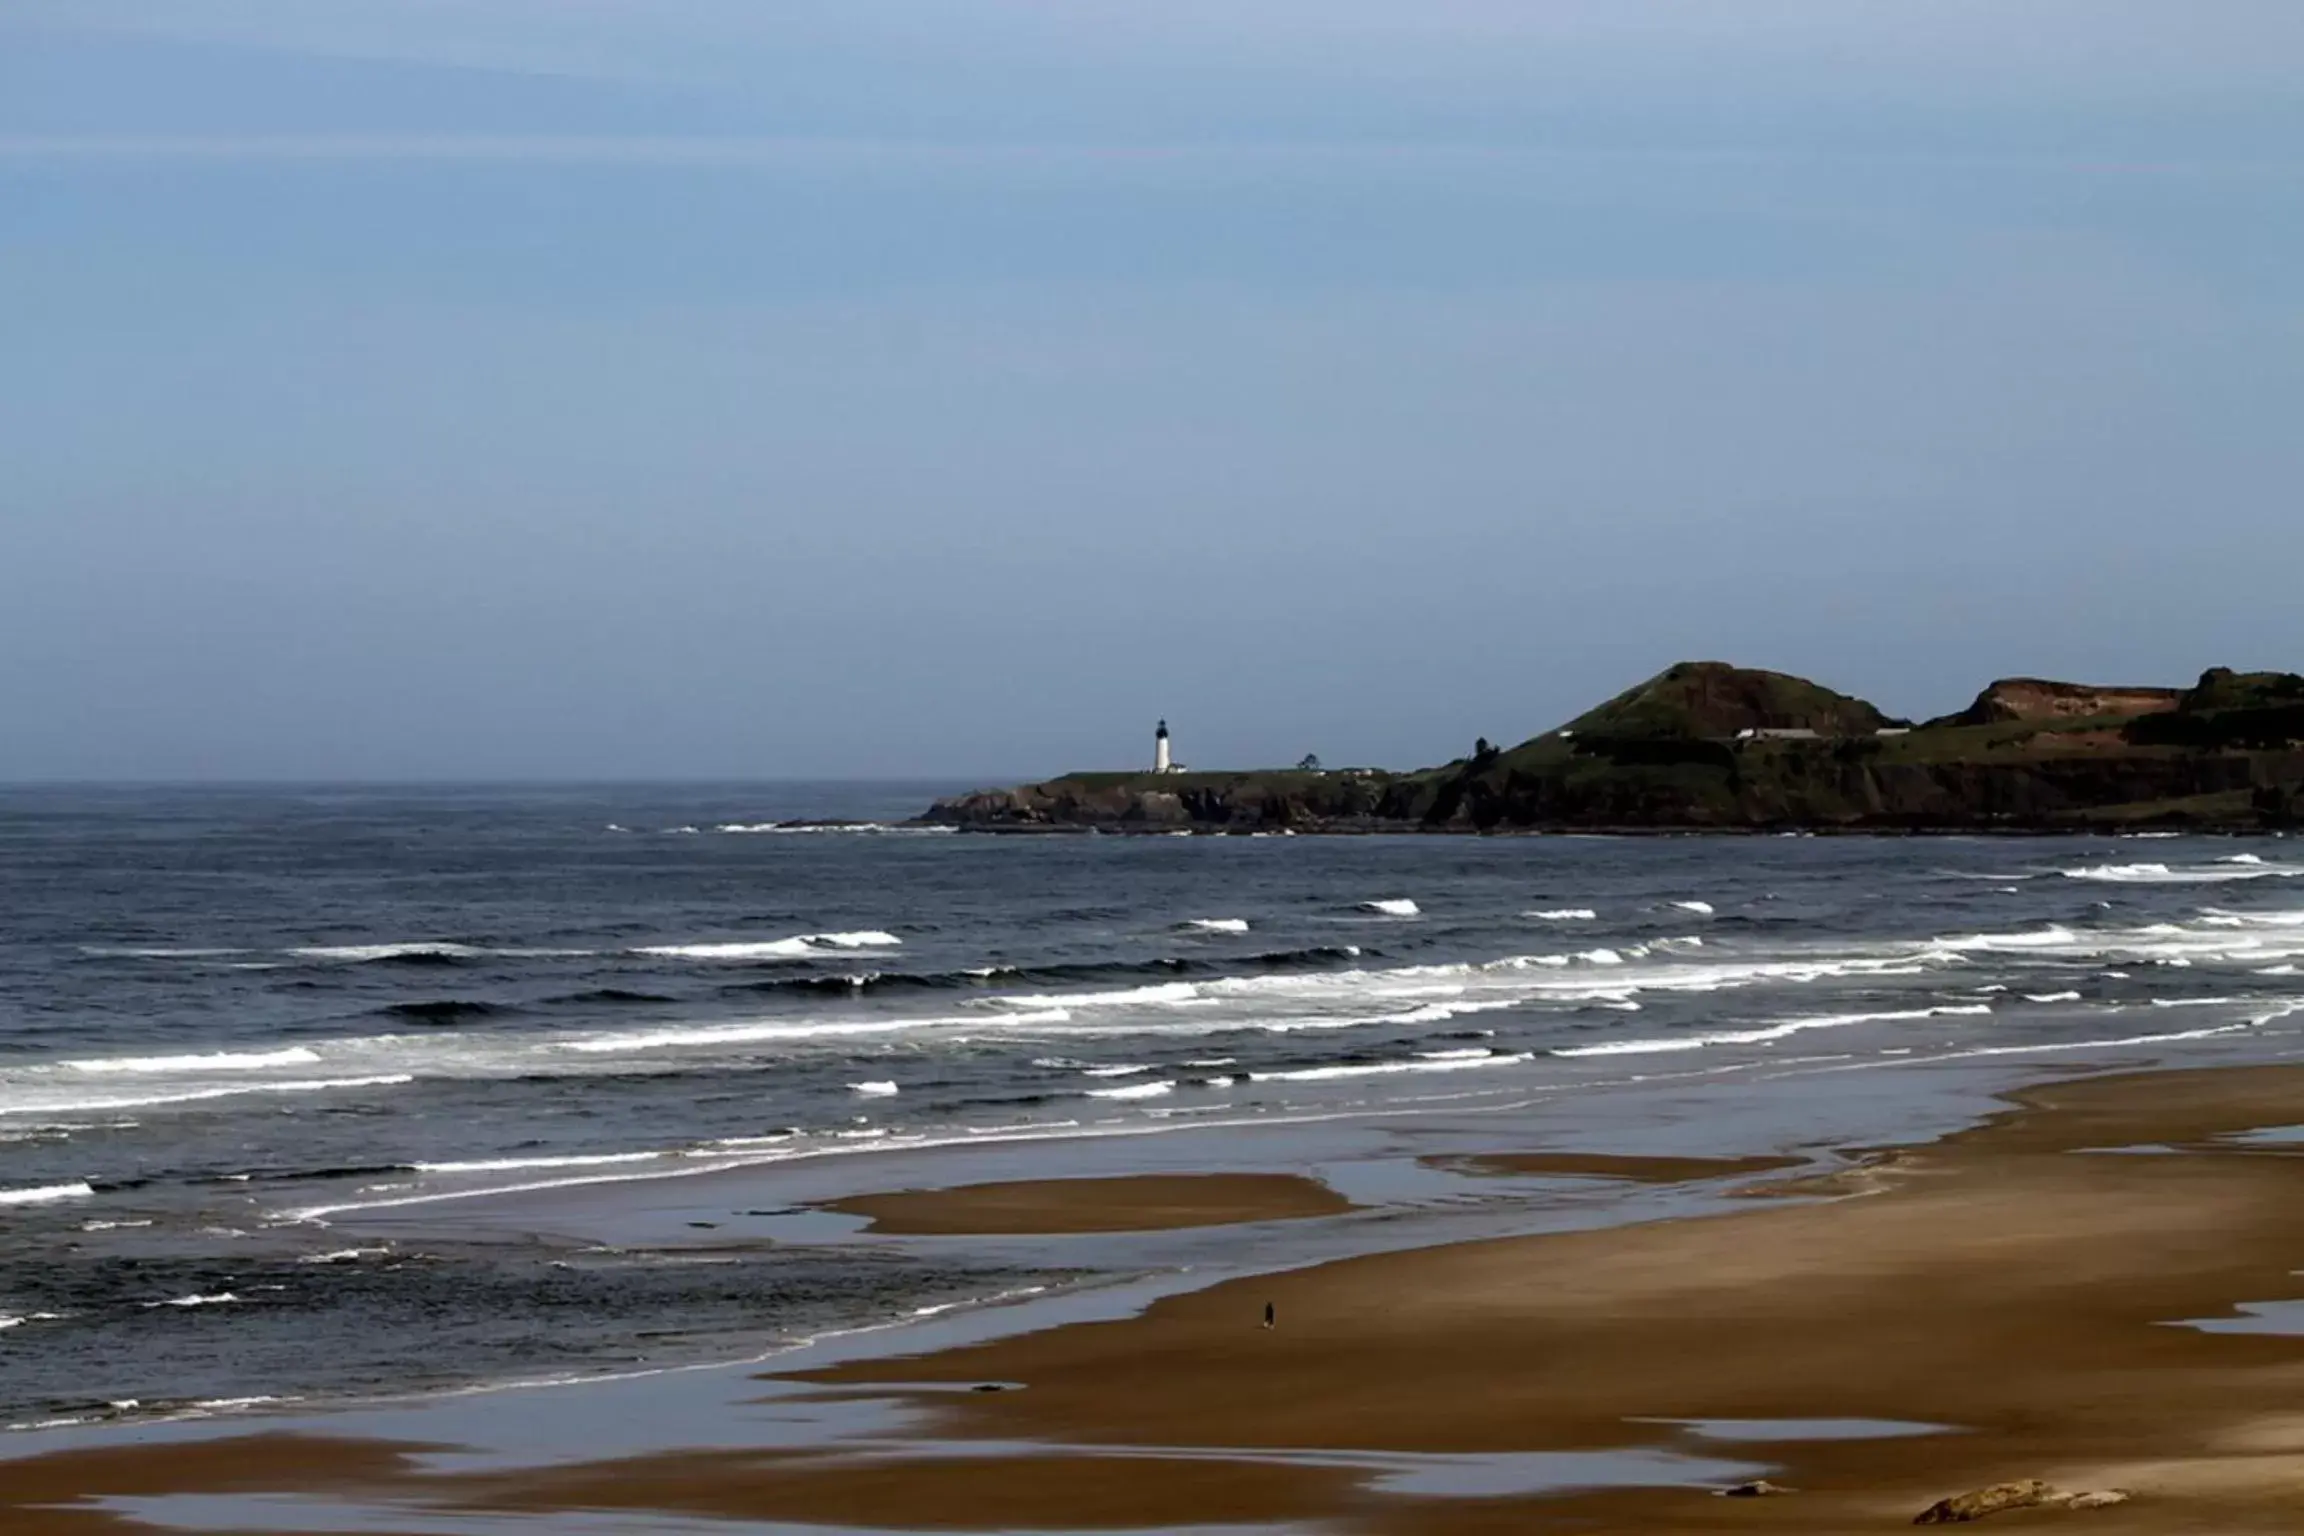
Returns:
(2163, 874)
(1135, 1091)
(1123, 997)
(1701, 908)
(1217, 925)
(344, 1256)
(1448, 1063)
(2261, 919)
(1767, 1034)
(771, 1031)
(1430, 1013)
(45, 1194)
(1395, 906)
(2051, 997)
(198, 1095)
(2045, 938)
(1564, 915)
(1130, 1070)
(507, 1164)
(362, 953)
(2116, 1042)
(220, 1299)
(798, 946)
(215, 1061)
(874, 1090)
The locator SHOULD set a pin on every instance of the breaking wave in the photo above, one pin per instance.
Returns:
(216, 1061)
(2244, 866)
(1769, 1033)
(800, 946)
(512, 1164)
(1135, 1091)
(47, 1105)
(422, 953)
(1450, 1061)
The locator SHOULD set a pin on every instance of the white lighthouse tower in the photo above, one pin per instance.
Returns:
(1161, 761)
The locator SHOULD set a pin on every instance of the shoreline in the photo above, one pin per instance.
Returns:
(2112, 829)
(1426, 1369)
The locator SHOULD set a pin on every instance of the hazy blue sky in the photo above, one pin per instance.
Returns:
(732, 387)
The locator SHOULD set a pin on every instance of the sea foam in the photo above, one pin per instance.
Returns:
(2243, 867)
(198, 1095)
(360, 954)
(1437, 1063)
(800, 946)
(215, 1061)
(507, 1164)
(1767, 1034)
(1134, 1091)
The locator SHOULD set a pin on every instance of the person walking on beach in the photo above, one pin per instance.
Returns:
(1269, 1316)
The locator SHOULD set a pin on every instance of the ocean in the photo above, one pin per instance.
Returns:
(238, 1026)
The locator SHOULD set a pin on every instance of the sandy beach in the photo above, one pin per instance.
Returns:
(2004, 1303)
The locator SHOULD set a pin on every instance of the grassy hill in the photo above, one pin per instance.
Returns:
(1698, 699)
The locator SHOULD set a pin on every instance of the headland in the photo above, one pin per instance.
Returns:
(1709, 747)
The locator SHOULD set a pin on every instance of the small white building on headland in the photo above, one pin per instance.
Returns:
(1163, 760)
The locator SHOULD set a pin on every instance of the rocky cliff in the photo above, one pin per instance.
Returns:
(1705, 746)
(2033, 698)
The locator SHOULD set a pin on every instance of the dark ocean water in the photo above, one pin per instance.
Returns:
(230, 1018)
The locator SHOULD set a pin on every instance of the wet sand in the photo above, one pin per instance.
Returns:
(2015, 1283)
(60, 1494)
(1130, 1203)
(1607, 1165)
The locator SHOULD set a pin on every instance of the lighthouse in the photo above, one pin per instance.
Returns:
(1161, 762)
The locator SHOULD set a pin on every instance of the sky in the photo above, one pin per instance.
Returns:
(469, 389)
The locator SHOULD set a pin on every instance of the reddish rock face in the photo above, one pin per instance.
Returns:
(2032, 698)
